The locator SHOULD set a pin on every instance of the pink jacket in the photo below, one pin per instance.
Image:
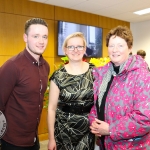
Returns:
(127, 107)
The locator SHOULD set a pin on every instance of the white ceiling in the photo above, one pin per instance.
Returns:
(118, 9)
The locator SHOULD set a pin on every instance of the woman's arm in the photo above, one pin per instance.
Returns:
(53, 100)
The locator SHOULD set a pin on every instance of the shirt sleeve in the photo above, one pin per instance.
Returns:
(8, 79)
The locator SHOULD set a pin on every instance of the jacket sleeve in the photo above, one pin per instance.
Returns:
(136, 123)
(93, 114)
(8, 78)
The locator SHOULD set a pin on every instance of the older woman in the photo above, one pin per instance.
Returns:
(121, 113)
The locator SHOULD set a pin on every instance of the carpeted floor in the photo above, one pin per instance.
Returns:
(43, 145)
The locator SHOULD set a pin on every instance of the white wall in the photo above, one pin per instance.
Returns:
(141, 38)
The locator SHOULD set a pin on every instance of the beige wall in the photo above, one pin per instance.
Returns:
(14, 13)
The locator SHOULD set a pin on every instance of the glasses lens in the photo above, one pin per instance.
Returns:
(80, 48)
(71, 48)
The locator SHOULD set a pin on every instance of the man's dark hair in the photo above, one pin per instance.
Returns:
(34, 21)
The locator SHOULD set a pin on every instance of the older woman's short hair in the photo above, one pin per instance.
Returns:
(123, 32)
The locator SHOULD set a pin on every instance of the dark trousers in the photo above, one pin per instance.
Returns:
(7, 146)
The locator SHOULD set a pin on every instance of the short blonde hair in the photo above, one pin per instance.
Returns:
(76, 34)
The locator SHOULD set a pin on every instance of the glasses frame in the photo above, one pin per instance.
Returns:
(75, 47)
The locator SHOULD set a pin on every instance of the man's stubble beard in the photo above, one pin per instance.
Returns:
(28, 47)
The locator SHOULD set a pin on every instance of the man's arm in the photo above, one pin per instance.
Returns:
(8, 78)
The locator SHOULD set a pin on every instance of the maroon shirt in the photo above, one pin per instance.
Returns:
(22, 86)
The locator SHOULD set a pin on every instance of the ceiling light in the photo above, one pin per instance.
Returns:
(142, 12)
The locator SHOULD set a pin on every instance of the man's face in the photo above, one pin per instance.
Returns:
(36, 39)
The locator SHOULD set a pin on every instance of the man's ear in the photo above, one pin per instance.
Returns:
(25, 37)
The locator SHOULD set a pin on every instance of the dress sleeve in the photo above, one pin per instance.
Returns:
(55, 77)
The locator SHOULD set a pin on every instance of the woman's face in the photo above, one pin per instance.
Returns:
(75, 48)
(118, 50)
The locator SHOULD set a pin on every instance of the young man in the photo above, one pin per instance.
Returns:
(23, 81)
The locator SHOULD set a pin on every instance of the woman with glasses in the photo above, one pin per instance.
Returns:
(121, 112)
(70, 99)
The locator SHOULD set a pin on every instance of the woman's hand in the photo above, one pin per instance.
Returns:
(52, 145)
(99, 128)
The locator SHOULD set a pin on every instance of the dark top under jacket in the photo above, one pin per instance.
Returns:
(102, 107)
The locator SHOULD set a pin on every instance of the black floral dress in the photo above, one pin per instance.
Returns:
(72, 129)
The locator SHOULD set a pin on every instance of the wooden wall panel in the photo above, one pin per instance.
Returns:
(8, 6)
(3, 59)
(2, 3)
(18, 9)
(55, 38)
(51, 62)
(41, 10)
(50, 47)
(43, 127)
(27, 8)
(109, 23)
(75, 16)
(105, 52)
(11, 36)
(102, 22)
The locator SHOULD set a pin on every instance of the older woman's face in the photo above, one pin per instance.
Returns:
(118, 50)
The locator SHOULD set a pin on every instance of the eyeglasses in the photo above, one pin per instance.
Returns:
(71, 48)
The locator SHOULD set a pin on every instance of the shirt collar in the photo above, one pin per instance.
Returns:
(32, 59)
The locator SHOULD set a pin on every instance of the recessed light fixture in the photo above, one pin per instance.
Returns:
(142, 12)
